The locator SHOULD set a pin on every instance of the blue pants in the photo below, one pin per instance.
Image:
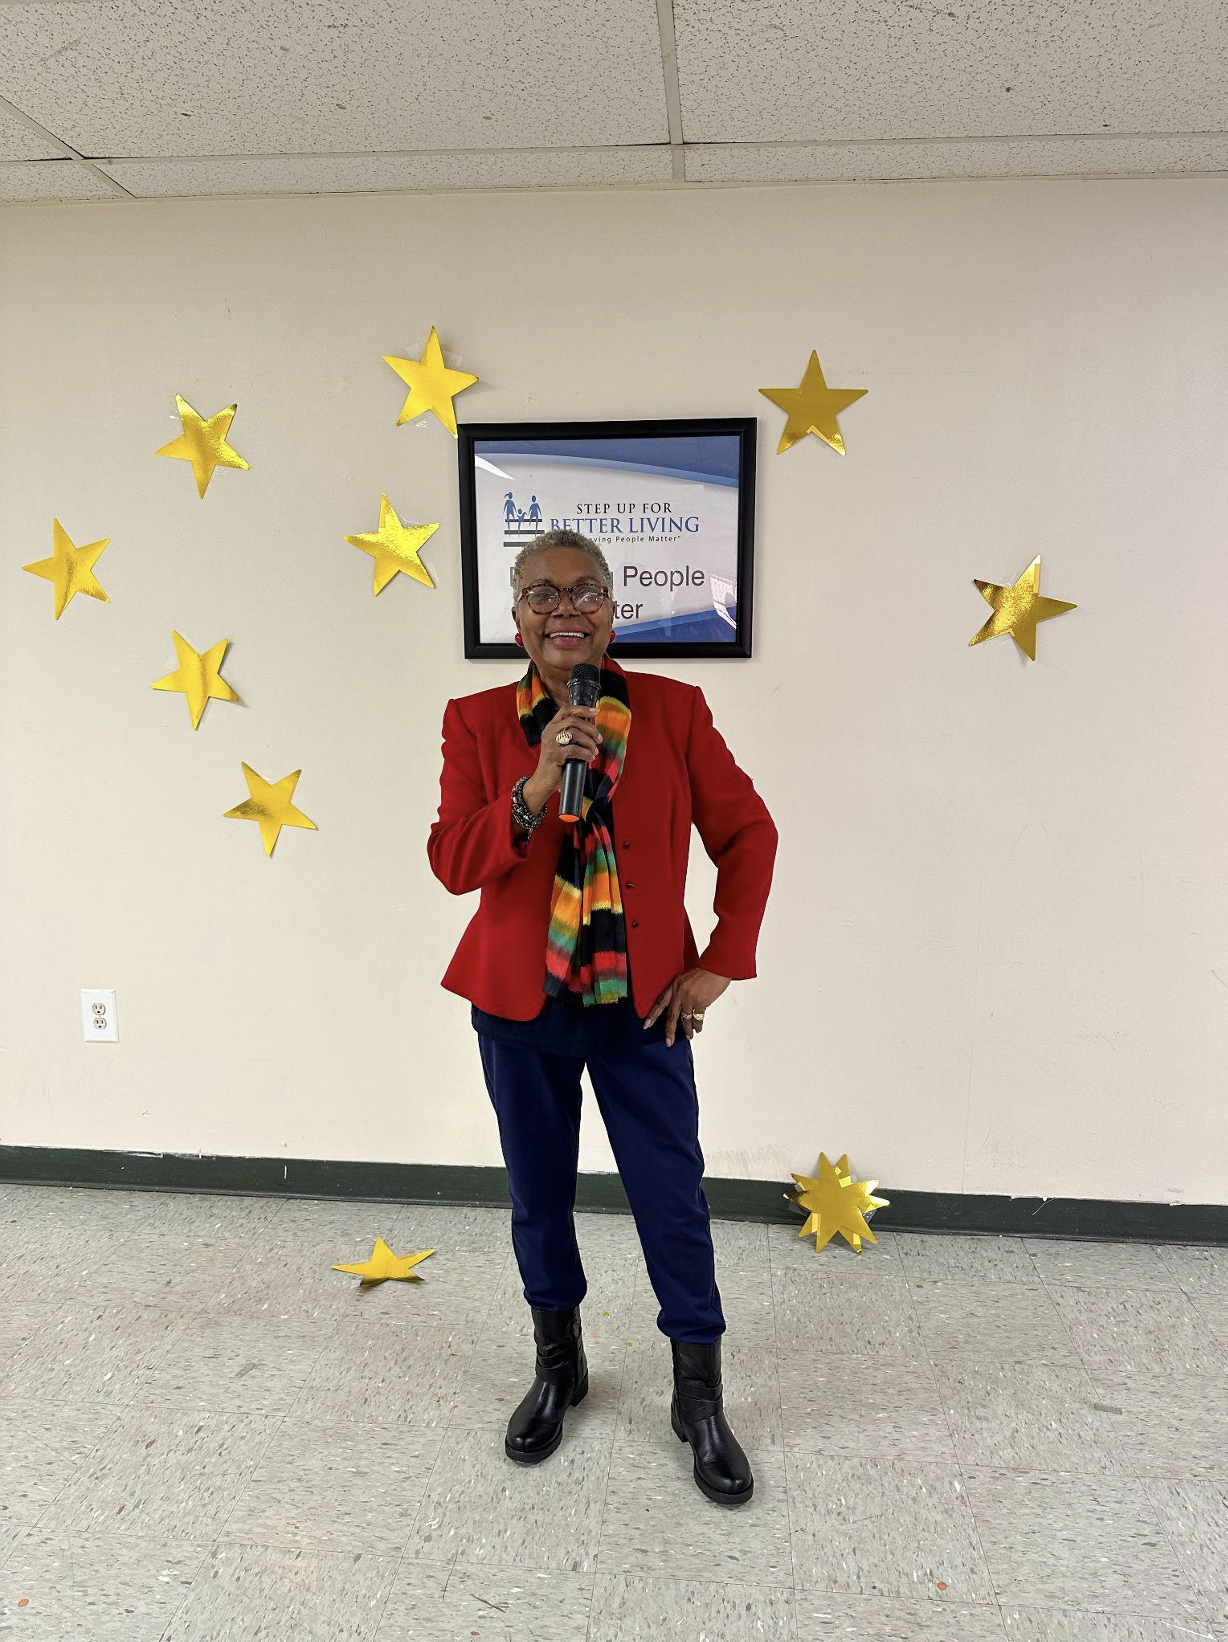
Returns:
(646, 1094)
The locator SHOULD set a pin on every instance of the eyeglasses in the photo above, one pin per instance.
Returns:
(545, 596)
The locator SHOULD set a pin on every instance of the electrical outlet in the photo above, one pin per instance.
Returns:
(98, 1018)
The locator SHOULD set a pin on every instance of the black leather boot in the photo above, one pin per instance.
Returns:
(536, 1428)
(722, 1470)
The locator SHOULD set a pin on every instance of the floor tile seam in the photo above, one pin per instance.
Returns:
(617, 1428)
(784, 1464)
(1119, 1445)
(1126, 1364)
(988, 1603)
(790, 1588)
(1043, 1605)
(425, 1495)
(1180, 1562)
(1020, 1471)
(396, 1579)
(78, 1469)
(1076, 1281)
(187, 1595)
(959, 1465)
(289, 1413)
(219, 1542)
(1060, 1328)
(1128, 1469)
(780, 1411)
(1220, 1340)
(252, 1470)
(1130, 1476)
(605, 1489)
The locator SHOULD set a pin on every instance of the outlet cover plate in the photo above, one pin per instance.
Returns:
(98, 1018)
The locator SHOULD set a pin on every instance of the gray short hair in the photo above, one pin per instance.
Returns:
(561, 538)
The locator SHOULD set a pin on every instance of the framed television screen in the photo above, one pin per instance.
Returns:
(671, 504)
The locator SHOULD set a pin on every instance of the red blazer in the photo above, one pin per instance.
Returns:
(677, 770)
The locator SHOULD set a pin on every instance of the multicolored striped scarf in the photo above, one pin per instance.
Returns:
(586, 944)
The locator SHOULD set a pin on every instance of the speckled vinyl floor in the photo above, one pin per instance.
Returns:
(208, 1434)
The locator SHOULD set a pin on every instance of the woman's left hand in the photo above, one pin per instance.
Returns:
(693, 990)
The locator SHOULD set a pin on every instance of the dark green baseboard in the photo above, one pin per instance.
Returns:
(764, 1200)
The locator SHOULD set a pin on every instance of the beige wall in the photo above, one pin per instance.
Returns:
(995, 958)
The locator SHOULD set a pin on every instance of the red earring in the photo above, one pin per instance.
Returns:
(613, 635)
(519, 640)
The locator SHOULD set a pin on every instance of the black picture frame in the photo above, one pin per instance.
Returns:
(471, 436)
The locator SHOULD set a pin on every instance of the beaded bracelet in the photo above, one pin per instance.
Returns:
(521, 813)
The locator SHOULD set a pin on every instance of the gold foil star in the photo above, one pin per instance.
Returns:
(203, 443)
(383, 1264)
(431, 384)
(1018, 608)
(69, 569)
(395, 547)
(198, 675)
(270, 805)
(812, 407)
(837, 1203)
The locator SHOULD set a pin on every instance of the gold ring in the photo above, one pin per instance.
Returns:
(563, 738)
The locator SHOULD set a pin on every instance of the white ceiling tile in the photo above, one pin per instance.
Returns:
(984, 157)
(51, 180)
(332, 174)
(19, 141)
(797, 70)
(152, 78)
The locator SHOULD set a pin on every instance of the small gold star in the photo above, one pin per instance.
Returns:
(431, 384)
(198, 675)
(383, 1264)
(270, 805)
(69, 569)
(812, 407)
(203, 443)
(1017, 609)
(395, 547)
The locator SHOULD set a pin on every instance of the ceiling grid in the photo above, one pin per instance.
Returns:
(121, 99)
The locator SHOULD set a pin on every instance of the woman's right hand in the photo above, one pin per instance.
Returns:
(585, 742)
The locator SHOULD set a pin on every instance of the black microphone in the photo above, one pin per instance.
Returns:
(583, 688)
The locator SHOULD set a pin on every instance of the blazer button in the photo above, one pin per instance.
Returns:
(635, 923)
(626, 843)
(630, 885)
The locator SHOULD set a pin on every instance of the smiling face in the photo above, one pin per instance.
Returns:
(557, 639)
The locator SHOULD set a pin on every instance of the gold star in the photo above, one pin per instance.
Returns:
(203, 443)
(812, 407)
(1017, 609)
(837, 1204)
(69, 569)
(431, 384)
(395, 547)
(270, 805)
(198, 675)
(383, 1264)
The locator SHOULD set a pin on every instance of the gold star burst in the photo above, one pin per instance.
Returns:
(1017, 609)
(837, 1203)
(395, 547)
(203, 443)
(431, 384)
(269, 805)
(812, 407)
(198, 676)
(70, 569)
(383, 1265)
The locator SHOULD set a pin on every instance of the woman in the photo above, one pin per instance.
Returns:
(581, 953)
